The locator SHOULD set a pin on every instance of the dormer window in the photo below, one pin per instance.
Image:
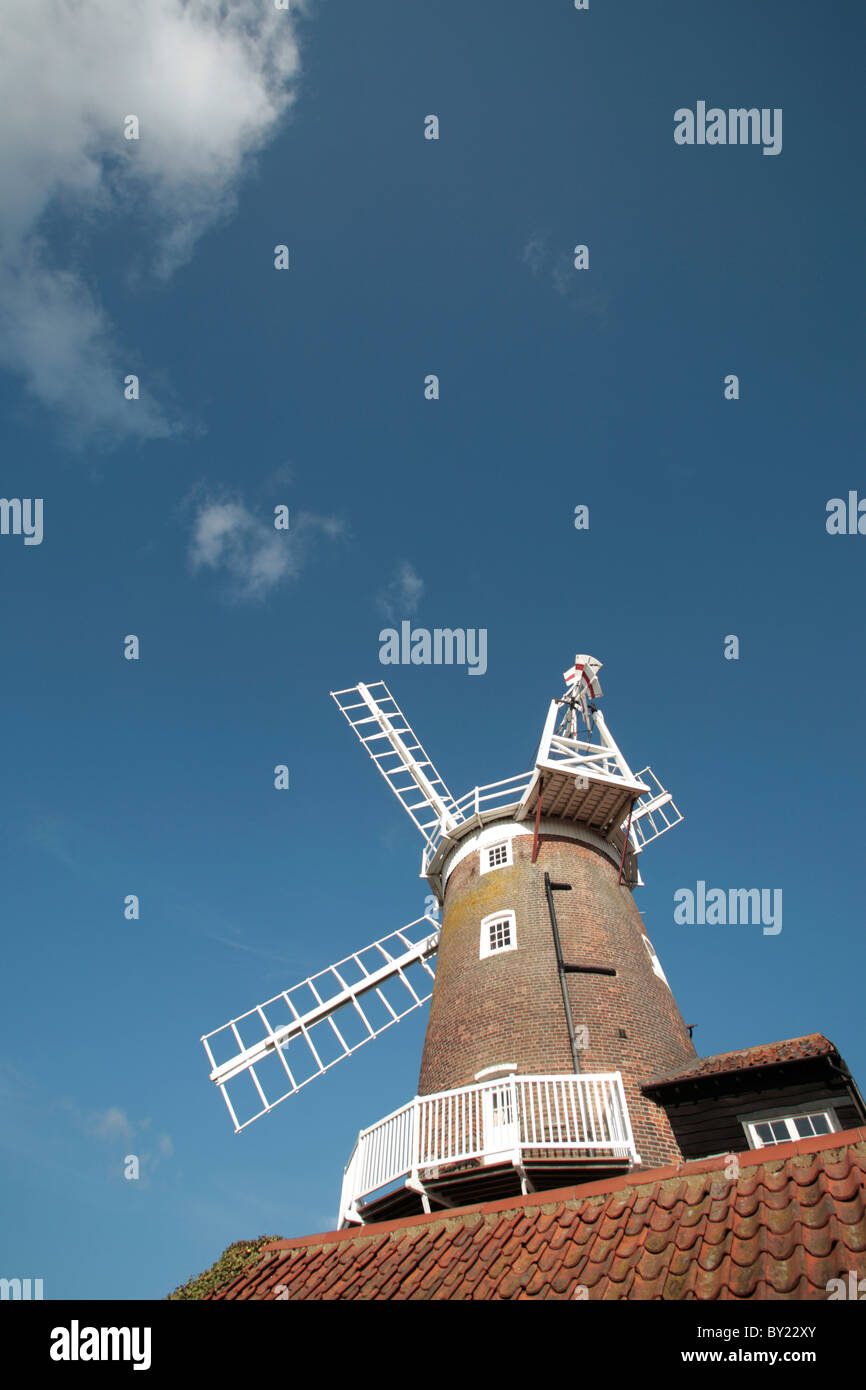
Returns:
(496, 856)
(784, 1129)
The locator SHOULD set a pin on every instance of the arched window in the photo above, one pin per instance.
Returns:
(498, 933)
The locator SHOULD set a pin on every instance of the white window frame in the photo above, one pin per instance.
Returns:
(787, 1117)
(503, 1069)
(486, 948)
(487, 850)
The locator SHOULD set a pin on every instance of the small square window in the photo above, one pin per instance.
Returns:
(496, 856)
(498, 933)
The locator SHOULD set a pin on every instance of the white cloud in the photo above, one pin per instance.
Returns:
(112, 1124)
(534, 252)
(563, 275)
(57, 337)
(209, 82)
(256, 558)
(404, 592)
(568, 283)
(115, 1126)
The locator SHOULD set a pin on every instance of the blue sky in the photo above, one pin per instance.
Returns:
(305, 388)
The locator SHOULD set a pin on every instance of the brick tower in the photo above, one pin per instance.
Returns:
(544, 966)
(506, 1000)
(550, 1009)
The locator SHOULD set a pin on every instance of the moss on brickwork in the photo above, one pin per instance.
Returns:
(231, 1263)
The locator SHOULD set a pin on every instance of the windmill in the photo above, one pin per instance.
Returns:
(549, 1004)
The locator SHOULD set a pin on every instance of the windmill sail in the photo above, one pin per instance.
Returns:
(388, 737)
(654, 812)
(269, 1053)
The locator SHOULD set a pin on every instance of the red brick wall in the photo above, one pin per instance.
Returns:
(508, 1007)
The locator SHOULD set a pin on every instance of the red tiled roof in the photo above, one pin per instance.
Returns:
(794, 1218)
(765, 1055)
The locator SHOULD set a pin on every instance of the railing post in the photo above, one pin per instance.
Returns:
(415, 1142)
(512, 1090)
(621, 1111)
(347, 1191)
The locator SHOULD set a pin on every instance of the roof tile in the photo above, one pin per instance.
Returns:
(766, 1054)
(789, 1223)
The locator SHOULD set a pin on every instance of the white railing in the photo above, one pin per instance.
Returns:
(506, 1119)
(496, 796)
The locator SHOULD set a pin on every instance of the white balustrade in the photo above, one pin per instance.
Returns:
(496, 796)
(507, 1119)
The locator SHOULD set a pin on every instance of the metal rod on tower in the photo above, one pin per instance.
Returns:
(560, 965)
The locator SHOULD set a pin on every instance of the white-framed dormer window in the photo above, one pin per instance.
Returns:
(496, 856)
(498, 933)
(782, 1128)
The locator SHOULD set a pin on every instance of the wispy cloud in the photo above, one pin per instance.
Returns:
(110, 1124)
(260, 951)
(79, 1147)
(403, 593)
(48, 832)
(563, 276)
(254, 557)
(568, 283)
(114, 1128)
(209, 83)
(535, 252)
(56, 336)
